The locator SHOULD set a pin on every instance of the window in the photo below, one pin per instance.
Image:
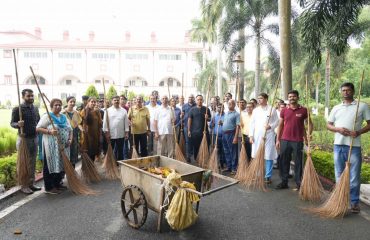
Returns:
(35, 54)
(7, 53)
(69, 55)
(170, 57)
(68, 82)
(103, 56)
(132, 83)
(144, 83)
(8, 79)
(136, 56)
(97, 81)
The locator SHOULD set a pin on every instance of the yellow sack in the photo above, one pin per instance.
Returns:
(180, 214)
(192, 196)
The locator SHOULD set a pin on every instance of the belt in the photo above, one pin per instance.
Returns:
(229, 131)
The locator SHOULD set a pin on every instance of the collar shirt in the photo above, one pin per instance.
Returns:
(245, 118)
(152, 110)
(164, 117)
(180, 106)
(231, 120)
(186, 109)
(139, 118)
(293, 123)
(342, 115)
(215, 120)
(118, 122)
(30, 116)
(177, 112)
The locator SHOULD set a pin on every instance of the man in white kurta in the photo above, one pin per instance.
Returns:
(163, 125)
(152, 107)
(118, 128)
(261, 123)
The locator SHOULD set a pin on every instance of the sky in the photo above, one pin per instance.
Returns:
(109, 19)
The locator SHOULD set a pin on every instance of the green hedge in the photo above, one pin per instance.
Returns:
(324, 164)
(8, 138)
(8, 170)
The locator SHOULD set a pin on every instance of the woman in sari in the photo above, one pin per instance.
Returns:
(74, 120)
(53, 170)
(91, 126)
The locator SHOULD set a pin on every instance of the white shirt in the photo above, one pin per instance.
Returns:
(180, 106)
(164, 117)
(152, 111)
(118, 122)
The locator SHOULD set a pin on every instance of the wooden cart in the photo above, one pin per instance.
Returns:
(143, 190)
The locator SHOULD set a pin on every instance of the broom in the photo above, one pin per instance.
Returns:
(109, 163)
(23, 163)
(88, 170)
(311, 188)
(213, 160)
(134, 152)
(203, 153)
(75, 184)
(178, 153)
(337, 204)
(254, 176)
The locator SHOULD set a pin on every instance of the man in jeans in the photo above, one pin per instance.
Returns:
(340, 121)
(185, 116)
(30, 118)
(290, 136)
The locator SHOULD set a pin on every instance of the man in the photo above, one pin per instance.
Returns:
(30, 118)
(181, 102)
(118, 127)
(257, 129)
(290, 136)
(185, 116)
(282, 105)
(152, 107)
(177, 112)
(230, 133)
(155, 94)
(245, 119)
(163, 122)
(217, 131)
(198, 116)
(227, 97)
(84, 103)
(123, 102)
(341, 121)
(140, 125)
(254, 101)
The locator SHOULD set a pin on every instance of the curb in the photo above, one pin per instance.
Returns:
(14, 190)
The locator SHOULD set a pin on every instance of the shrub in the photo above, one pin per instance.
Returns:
(324, 164)
(92, 92)
(8, 170)
(319, 123)
(8, 138)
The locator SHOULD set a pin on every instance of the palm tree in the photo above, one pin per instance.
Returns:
(251, 15)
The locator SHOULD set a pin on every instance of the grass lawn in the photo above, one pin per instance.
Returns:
(5, 115)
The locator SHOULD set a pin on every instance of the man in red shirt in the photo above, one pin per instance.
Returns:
(290, 138)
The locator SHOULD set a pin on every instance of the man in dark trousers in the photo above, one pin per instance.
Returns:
(30, 118)
(290, 138)
(197, 117)
(185, 116)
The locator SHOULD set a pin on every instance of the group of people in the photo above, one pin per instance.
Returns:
(152, 128)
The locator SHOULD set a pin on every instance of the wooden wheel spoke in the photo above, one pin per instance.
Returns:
(134, 206)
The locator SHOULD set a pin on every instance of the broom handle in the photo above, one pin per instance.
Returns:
(106, 109)
(47, 99)
(273, 99)
(47, 110)
(218, 124)
(355, 120)
(19, 96)
(205, 119)
(308, 116)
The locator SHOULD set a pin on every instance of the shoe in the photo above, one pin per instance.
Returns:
(355, 208)
(296, 188)
(35, 188)
(61, 188)
(268, 180)
(233, 173)
(282, 186)
(52, 191)
(226, 170)
(290, 176)
(26, 190)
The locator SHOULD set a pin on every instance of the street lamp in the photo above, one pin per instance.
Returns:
(237, 59)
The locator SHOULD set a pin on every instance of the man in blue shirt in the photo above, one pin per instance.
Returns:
(185, 116)
(217, 131)
(230, 132)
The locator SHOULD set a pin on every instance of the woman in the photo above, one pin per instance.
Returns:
(74, 120)
(53, 170)
(91, 126)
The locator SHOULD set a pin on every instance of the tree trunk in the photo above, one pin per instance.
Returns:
(285, 46)
(327, 83)
(204, 56)
(241, 68)
(219, 59)
(317, 81)
(257, 89)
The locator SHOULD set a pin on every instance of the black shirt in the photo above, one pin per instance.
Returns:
(197, 119)
(31, 117)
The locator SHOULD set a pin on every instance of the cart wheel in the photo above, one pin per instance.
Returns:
(134, 206)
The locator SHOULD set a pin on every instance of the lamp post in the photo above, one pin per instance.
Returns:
(237, 59)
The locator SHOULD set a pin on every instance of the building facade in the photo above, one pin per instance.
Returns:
(68, 67)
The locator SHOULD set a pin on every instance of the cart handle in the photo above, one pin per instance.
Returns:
(229, 179)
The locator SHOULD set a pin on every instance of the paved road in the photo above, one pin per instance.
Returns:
(230, 214)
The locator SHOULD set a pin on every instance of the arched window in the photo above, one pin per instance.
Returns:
(41, 80)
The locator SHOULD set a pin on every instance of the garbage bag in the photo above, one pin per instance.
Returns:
(180, 214)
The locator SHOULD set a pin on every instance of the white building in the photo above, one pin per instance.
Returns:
(68, 67)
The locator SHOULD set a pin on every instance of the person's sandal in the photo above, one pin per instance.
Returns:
(52, 191)
(355, 208)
